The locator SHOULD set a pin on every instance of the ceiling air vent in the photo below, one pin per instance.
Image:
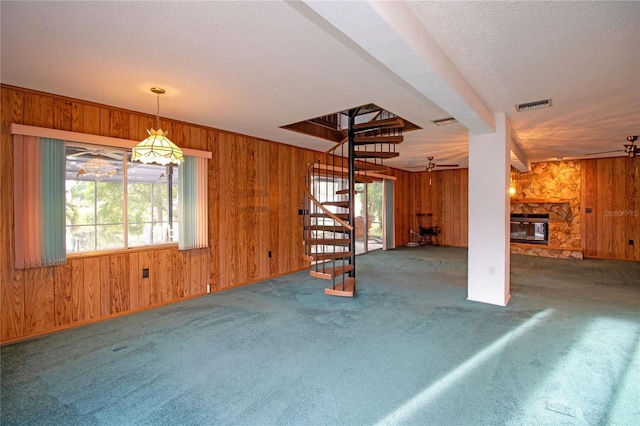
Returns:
(533, 105)
(444, 121)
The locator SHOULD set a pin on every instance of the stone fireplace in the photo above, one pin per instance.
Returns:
(551, 189)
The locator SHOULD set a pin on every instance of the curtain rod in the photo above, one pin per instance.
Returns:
(42, 132)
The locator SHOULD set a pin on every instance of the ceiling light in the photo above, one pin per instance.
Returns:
(157, 148)
(533, 105)
(97, 167)
(444, 121)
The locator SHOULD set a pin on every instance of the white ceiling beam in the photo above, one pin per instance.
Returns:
(519, 159)
(391, 34)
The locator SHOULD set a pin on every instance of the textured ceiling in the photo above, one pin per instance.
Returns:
(251, 67)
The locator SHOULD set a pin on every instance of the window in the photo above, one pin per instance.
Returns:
(76, 192)
(113, 203)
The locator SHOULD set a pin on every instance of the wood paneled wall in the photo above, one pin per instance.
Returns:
(443, 193)
(611, 189)
(255, 189)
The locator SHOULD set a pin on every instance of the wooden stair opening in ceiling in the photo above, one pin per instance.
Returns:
(365, 137)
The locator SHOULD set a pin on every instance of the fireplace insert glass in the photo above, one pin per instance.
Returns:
(530, 228)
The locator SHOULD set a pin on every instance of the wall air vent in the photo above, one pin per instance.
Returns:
(533, 105)
(444, 121)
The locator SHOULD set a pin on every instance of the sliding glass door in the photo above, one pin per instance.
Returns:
(369, 217)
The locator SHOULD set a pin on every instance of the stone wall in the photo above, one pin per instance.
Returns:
(553, 188)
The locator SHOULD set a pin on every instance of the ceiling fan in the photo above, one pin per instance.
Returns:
(82, 151)
(630, 148)
(433, 165)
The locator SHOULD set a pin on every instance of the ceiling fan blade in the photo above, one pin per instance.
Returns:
(605, 152)
(447, 165)
(113, 155)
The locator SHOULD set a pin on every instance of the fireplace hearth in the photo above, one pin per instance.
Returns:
(530, 228)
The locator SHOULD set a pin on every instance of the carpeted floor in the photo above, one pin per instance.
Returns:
(409, 349)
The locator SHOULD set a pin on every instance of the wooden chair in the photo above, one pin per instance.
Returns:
(428, 232)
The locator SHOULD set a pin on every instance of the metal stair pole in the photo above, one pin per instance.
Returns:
(352, 192)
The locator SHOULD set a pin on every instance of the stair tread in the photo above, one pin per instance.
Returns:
(336, 203)
(377, 124)
(391, 139)
(328, 241)
(376, 154)
(347, 288)
(371, 167)
(327, 256)
(344, 216)
(364, 179)
(329, 273)
(327, 228)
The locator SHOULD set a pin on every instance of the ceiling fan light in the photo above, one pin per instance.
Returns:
(157, 148)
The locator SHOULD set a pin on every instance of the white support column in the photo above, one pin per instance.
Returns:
(489, 253)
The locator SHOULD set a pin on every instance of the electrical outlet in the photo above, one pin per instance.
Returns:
(145, 272)
(492, 270)
(269, 254)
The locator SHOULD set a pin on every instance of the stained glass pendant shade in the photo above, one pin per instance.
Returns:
(157, 148)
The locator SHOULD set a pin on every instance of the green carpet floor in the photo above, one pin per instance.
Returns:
(409, 349)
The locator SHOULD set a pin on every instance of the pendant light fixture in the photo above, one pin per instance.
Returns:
(513, 182)
(157, 148)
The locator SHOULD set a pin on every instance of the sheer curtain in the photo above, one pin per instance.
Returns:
(388, 207)
(192, 204)
(39, 201)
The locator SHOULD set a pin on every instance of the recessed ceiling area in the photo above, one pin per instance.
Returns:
(334, 127)
(248, 67)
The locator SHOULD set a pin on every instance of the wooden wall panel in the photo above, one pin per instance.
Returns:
(77, 290)
(214, 210)
(63, 294)
(135, 275)
(146, 289)
(91, 287)
(90, 120)
(38, 110)
(404, 199)
(39, 299)
(162, 263)
(12, 313)
(610, 188)
(118, 283)
(62, 114)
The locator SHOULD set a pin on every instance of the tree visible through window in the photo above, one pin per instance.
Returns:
(107, 194)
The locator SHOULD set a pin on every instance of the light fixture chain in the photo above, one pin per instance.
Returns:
(158, 112)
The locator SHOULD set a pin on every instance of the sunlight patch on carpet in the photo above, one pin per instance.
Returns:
(588, 377)
(406, 411)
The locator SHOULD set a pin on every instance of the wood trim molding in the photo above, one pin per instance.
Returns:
(540, 201)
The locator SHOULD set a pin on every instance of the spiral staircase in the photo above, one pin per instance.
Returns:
(329, 194)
